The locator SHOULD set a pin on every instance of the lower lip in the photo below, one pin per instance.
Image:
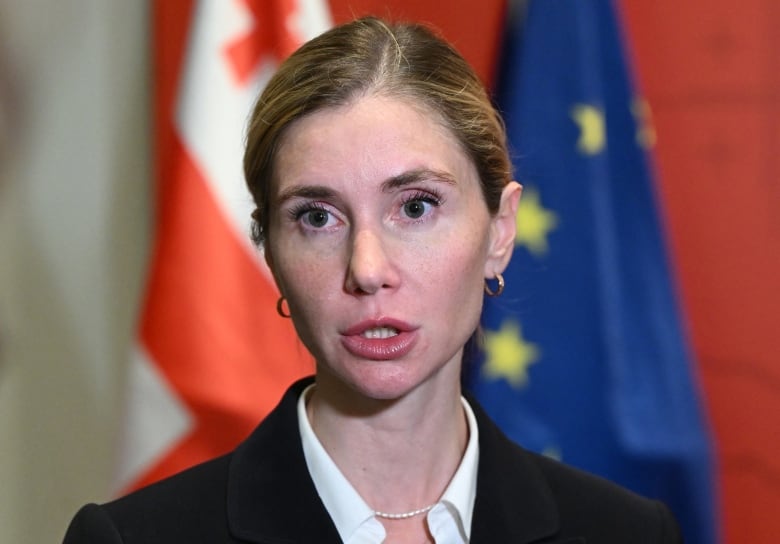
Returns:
(379, 349)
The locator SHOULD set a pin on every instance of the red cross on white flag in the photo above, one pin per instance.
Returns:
(212, 356)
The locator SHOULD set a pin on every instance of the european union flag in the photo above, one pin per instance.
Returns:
(585, 352)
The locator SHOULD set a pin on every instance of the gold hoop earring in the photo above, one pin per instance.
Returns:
(499, 288)
(280, 308)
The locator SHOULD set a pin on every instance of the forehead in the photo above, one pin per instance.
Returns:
(373, 137)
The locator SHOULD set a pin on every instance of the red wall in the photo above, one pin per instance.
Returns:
(711, 73)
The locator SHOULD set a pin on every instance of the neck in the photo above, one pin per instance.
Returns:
(399, 455)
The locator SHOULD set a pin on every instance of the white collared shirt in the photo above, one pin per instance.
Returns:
(449, 521)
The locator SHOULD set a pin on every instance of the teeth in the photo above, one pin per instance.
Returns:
(380, 332)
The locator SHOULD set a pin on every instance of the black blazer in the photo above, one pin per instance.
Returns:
(262, 493)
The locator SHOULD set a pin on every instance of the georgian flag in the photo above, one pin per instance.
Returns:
(212, 356)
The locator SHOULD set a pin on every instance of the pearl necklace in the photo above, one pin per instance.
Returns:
(404, 515)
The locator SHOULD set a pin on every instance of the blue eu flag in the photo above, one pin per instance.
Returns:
(585, 352)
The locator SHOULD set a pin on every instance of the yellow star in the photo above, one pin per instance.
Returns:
(534, 223)
(590, 119)
(643, 115)
(509, 355)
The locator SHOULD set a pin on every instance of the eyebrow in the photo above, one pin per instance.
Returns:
(401, 180)
(306, 191)
(417, 176)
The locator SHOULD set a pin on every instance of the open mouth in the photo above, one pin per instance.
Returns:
(380, 333)
(380, 340)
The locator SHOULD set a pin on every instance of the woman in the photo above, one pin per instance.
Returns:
(385, 208)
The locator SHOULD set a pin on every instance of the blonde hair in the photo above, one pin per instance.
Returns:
(370, 56)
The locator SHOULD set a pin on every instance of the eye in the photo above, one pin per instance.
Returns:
(418, 205)
(313, 215)
(316, 218)
(415, 209)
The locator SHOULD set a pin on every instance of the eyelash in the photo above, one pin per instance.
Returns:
(297, 211)
(430, 197)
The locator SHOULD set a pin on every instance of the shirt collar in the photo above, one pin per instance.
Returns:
(348, 509)
(345, 506)
(462, 489)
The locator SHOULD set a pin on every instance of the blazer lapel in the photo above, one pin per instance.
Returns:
(270, 496)
(514, 503)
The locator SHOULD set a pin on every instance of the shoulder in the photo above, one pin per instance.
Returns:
(606, 512)
(209, 501)
(527, 495)
(189, 506)
(189, 492)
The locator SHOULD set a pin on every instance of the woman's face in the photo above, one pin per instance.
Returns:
(380, 239)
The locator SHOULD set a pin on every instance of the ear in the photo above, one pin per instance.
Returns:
(503, 228)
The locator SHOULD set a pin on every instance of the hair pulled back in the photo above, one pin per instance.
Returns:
(366, 56)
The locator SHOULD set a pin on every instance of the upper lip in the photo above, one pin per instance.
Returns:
(367, 324)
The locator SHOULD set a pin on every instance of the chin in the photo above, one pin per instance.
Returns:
(385, 381)
(384, 384)
(359, 381)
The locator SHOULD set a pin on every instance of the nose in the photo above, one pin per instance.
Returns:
(370, 267)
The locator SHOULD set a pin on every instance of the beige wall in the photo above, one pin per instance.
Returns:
(74, 225)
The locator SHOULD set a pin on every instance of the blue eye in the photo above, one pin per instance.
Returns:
(419, 205)
(415, 209)
(312, 215)
(316, 217)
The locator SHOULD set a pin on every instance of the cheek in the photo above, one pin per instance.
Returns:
(456, 271)
(465, 251)
(306, 280)
(310, 293)
(312, 283)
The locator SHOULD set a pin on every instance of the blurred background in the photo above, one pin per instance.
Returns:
(86, 119)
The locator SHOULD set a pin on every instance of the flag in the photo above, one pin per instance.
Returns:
(212, 356)
(585, 355)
